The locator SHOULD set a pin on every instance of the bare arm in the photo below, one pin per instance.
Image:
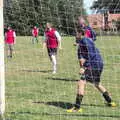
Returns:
(32, 32)
(14, 35)
(44, 41)
(58, 38)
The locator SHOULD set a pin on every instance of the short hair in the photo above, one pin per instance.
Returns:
(9, 27)
(81, 30)
(50, 24)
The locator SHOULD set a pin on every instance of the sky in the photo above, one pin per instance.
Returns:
(87, 5)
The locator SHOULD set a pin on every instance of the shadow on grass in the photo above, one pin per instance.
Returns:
(41, 71)
(66, 105)
(62, 79)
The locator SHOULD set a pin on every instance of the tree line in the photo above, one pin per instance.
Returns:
(22, 15)
(113, 6)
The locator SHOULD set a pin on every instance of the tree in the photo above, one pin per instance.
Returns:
(24, 14)
(113, 6)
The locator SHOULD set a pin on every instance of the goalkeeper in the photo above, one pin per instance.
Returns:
(91, 67)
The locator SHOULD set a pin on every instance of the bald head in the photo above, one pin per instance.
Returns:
(81, 19)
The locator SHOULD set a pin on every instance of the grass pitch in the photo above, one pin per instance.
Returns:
(33, 93)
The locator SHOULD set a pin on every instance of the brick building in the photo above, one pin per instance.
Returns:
(97, 20)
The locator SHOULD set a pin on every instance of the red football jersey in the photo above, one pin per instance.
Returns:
(87, 33)
(10, 37)
(35, 32)
(51, 39)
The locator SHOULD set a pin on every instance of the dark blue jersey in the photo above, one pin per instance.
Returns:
(92, 32)
(90, 53)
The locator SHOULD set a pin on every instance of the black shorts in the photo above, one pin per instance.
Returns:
(52, 51)
(92, 76)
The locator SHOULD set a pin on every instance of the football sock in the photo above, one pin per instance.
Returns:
(54, 62)
(78, 101)
(107, 97)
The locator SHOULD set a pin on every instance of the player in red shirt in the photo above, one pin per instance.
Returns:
(10, 40)
(35, 32)
(89, 32)
(52, 42)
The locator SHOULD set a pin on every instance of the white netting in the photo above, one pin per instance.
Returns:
(32, 92)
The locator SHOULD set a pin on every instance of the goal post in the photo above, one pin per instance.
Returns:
(2, 70)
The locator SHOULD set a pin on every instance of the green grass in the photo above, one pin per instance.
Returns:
(33, 93)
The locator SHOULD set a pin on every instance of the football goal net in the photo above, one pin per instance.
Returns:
(41, 85)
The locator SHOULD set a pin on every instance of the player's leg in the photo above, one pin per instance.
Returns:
(80, 91)
(36, 39)
(105, 94)
(33, 39)
(52, 55)
(102, 89)
(81, 88)
(79, 96)
(8, 50)
(9, 54)
(54, 60)
(11, 50)
(49, 53)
